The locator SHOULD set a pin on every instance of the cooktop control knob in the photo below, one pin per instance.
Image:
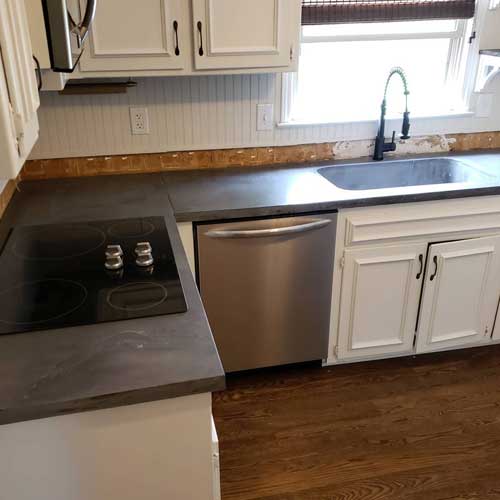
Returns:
(145, 260)
(113, 251)
(144, 253)
(113, 263)
(143, 248)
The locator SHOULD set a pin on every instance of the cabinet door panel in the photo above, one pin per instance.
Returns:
(231, 34)
(19, 99)
(379, 300)
(460, 294)
(126, 36)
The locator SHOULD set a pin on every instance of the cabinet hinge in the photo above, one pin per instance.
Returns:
(15, 124)
(472, 37)
(291, 52)
(342, 262)
(486, 330)
(336, 351)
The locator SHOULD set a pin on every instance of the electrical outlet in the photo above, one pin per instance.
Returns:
(265, 117)
(139, 121)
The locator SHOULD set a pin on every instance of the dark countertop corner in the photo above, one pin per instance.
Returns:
(76, 369)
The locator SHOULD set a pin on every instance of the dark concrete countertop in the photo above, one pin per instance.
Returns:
(259, 191)
(113, 364)
(81, 368)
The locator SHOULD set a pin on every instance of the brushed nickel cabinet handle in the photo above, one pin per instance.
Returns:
(259, 233)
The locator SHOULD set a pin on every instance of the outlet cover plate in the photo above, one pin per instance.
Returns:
(139, 121)
(265, 117)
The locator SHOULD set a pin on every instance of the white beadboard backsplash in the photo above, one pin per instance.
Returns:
(199, 112)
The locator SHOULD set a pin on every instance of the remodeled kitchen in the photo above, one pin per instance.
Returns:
(249, 250)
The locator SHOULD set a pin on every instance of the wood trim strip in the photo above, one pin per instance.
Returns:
(181, 160)
(225, 158)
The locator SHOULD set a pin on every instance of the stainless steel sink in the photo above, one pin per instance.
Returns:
(403, 173)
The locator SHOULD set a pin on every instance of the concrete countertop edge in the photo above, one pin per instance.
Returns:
(107, 401)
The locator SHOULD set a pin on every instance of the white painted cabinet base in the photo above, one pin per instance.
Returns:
(372, 300)
(152, 451)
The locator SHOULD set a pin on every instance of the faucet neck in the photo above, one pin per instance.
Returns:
(401, 73)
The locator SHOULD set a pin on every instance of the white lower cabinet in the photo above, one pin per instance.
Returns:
(379, 300)
(416, 278)
(460, 295)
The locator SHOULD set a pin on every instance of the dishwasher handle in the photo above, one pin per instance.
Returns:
(259, 233)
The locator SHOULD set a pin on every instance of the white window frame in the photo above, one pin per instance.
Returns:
(460, 37)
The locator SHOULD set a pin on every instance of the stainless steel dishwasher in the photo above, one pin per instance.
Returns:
(266, 286)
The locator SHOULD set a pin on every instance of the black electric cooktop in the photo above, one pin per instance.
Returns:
(63, 275)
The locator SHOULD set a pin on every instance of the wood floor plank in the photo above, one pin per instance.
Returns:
(425, 427)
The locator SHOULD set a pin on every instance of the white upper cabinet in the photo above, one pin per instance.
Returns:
(461, 293)
(167, 37)
(19, 100)
(138, 36)
(234, 34)
(379, 300)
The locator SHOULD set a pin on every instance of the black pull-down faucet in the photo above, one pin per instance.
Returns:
(381, 146)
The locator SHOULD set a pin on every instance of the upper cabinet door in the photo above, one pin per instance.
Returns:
(128, 35)
(19, 100)
(461, 292)
(234, 34)
(379, 300)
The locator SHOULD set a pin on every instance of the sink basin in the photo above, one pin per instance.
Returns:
(403, 173)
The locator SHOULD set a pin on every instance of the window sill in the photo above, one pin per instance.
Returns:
(451, 115)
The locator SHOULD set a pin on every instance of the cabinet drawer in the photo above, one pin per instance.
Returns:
(418, 220)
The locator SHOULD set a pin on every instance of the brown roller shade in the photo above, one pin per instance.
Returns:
(368, 11)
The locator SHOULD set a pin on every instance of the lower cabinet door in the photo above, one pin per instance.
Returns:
(379, 300)
(461, 291)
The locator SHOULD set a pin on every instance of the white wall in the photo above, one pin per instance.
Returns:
(201, 112)
(490, 35)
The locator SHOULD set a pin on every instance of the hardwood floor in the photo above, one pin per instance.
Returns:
(424, 428)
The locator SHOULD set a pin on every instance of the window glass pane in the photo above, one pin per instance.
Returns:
(487, 66)
(345, 80)
(406, 27)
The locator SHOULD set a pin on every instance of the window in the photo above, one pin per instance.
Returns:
(349, 46)
(343, 69)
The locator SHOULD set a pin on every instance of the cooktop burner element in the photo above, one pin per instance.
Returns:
(137, 296)
(135, 228)
(68, 295)
(56, 242)
(59, 275)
